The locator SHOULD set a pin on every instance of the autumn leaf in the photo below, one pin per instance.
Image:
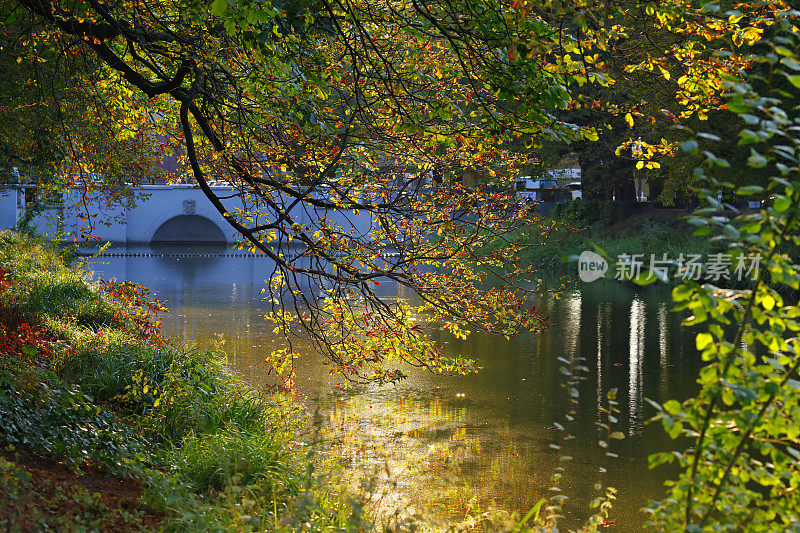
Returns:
(629, 119)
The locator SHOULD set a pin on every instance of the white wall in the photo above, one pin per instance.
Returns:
(8, 208)
(161, 203)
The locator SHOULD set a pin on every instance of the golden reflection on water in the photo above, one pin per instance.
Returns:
(417, 460)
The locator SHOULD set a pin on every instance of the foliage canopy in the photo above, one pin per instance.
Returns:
(330, 110)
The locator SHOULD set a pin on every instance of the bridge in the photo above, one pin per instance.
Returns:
(162, 214)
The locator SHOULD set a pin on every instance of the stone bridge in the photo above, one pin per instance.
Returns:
(163, 213)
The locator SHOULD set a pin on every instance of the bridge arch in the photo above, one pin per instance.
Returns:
(188, 228)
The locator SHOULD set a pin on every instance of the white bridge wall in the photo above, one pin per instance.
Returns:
(161, 203)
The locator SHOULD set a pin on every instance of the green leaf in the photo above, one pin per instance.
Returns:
(673, 407)
(750, 119)
(695, 221)
(681, 292)
(794, 79)
(756, 160)
(689, 146)
(791, 63)
(655, 459)
(781, 204)
(731, 232)
(749, 189)
(709, 136)
(676, 430)
(737, 105)
(219, 7)
(703, 340)
(750, 137)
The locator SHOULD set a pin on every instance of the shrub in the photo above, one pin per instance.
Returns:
(587, 213)
(61, 421)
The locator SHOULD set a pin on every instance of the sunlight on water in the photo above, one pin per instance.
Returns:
(638, 320)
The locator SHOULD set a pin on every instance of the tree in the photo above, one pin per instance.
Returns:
(664, 73)
(59, 132)
(337, 108)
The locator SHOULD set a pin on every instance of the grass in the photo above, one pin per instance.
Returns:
(93, 387)
(642, 234)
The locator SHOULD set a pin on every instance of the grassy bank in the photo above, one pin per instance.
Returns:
(649, 233)
(105, 424)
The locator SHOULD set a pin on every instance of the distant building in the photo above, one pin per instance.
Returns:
(552, 186)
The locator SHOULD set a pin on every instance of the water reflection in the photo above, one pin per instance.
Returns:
(603, 312)
(663, 346)
(636, 329)
(572, 304)
(441, 444)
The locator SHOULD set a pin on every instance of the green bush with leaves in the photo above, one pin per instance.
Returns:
(61, 421)
(742, 468)
(594, 213)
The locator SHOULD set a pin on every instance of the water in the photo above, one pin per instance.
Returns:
(445, 445)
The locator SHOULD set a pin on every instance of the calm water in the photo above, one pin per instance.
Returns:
(443, 445)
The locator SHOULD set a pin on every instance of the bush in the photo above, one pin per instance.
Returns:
(740, 468)
(586, 213)
(219, 455)
(61, 421)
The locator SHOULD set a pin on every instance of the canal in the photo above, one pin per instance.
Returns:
(444, 446)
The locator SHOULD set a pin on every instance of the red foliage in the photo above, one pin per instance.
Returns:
(140, 317)
(18, 336)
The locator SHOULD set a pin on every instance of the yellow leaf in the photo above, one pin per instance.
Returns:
(640, 165)
(629, 119)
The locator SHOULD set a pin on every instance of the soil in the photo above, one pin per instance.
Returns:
(107, 503)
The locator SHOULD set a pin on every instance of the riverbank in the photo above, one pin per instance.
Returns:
(106, 424)
(652, 233)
